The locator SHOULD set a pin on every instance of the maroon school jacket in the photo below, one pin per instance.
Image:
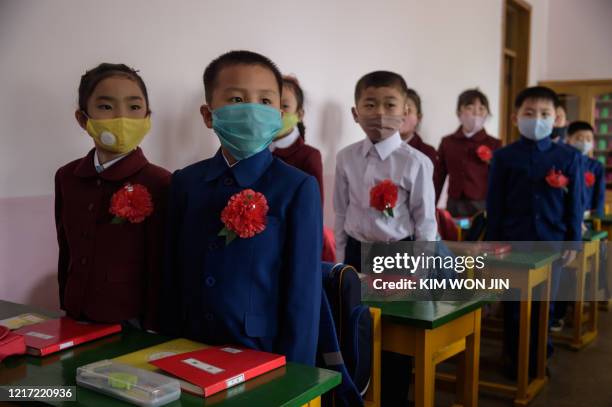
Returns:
(303, 157)
(417, 142)
(109, 272)
(468, 174)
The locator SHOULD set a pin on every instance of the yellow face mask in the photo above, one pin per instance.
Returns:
(289, 122)
(120, 135)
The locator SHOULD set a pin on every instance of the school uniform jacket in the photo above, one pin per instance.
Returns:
(466, 171)
(595, 195)
(522, 206)
(262, 292)
(417, 142)
(109, 272)
(304, 157)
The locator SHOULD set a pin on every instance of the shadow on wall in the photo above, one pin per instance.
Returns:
(330, 128)
(45, 291)
(186, 139)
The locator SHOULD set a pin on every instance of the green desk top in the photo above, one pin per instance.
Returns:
(523, 260)
(592, 235)
(427, 314)
(292, 385)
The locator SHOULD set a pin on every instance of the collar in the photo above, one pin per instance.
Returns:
(384, 148)
(286, 141)
(127, 166)
(295, 146)
(101, 167)
(541, 145)
(227, 161)
(478, 137)
(246, 172)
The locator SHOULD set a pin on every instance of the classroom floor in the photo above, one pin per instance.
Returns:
(579, 379)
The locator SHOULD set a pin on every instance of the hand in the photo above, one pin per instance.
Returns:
(584, 228)
(568, 257)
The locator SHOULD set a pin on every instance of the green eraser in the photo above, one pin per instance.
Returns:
(120, 380)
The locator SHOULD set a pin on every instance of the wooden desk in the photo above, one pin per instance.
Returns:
(605, 224)
(590, 252)
(526, 271)
(431, 332)
(292, 385)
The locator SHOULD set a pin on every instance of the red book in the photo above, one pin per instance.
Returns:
(208, 371)
(54, 335)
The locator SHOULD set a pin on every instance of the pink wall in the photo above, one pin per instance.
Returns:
(28, 251)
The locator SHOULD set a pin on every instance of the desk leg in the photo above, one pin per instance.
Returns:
(543, 328)
(579, 303)
(595, 290)
(424, 370)
(316, 402)
(470, 365)
(523, 351)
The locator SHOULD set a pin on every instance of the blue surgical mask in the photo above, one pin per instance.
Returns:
(535, 129)
(245, 129)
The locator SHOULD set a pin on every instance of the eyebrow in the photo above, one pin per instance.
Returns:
(112, 99)
(264, 91)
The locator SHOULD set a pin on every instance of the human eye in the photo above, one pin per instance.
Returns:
(266, 101)
(236, 99)
(104, 106)
(135, 107)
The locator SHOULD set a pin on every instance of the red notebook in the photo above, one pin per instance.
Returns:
(208, 371)
(54, 335)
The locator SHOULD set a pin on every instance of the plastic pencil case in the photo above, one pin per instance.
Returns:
(124, 382)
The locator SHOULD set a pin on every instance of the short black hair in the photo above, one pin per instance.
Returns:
(414, 96)
(92, 77)
(379, 79)
(467, 97)
(579, 126)
(232, 58)
(536, 92)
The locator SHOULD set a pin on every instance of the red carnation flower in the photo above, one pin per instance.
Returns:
(556, 179)
(244, 215)
(383, 197)
(132, 203)
(589, 179)
(484, 153)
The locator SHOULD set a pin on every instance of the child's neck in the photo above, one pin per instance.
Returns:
(230, 158)
(407, 136)
(106, 156)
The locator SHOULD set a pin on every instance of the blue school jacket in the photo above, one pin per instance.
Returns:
(262, 292)
(594, 195)
(521, 206)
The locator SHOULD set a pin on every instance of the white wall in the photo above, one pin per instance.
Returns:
(580, 34)
(441, 48)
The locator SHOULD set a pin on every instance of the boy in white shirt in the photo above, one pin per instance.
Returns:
(383, 193)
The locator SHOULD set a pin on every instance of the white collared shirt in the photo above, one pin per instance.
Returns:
(101, 167)
(226, 160)
(361, 166)
(286, 141)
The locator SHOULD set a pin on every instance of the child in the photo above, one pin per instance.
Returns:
(524, 205)
(243, 257)
(380, 107)
(290, 144)
(580, 136)
(408, 131)
(464, 156)
(559, 132)
(109, 263)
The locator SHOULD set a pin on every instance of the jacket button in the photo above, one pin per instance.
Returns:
(228, 181)
(213, 246)
(208, 316)
(84, 260)
(90, 207)
(98, 182)
(210, 281)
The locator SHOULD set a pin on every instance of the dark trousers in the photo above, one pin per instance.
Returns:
(464, 208)
(352, 251)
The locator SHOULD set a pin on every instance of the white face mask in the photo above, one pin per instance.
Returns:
(583, 146)
(471, 123)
